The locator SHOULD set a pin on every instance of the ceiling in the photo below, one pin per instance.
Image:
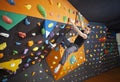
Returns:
(101, 11)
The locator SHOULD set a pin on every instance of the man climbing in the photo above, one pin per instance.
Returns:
(71, 47)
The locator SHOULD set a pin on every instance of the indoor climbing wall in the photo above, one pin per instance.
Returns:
(26, 28)
(111, 57)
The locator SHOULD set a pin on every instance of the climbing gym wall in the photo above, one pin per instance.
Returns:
(111, 57)
(101, 51)
(26, 28)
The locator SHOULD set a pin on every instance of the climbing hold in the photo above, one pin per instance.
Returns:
(1, 55)
(52, 34)
(65, 8)
(56, 48)
(46, 41)
(42, 47)
(59, 5)
(25, 51)
(38, 53)
(102, 39)
(72, 59)
(3, 46)
(28, 6)
(11, 2)
(6, 19)
(33, 34)
(50, 25)
(39, 60)
(62, 26)
(56, 57)
(11, 65)
(43, 31)
(38, 23)
(25, 75)
(4, 35)
(27, 22)
(87, 51)
(31, 54)
(46, 70)
(51, 67)
(23, 56)
(96, 36)
(40, 71)
(28, 60)
(35, 58)
(51, 2)
(53, 40)
(26, 65)
(22, 34)
(81, 57)
(39, 42)
(45, 51)
(33, 62)
(33, 73)
(70, 11)
(18, 43)
(51, 14)
(65, 18)
(15, 52)
(42, 56)
(42, 10)
(35, 48)
(30, 43)
(53, 63)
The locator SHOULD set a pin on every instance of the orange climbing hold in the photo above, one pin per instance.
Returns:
(30, 43)
(1, 55)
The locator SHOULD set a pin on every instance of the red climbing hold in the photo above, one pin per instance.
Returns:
(7, 19)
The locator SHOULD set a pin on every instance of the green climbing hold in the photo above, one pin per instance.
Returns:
(43, 31)
(65, 18)
(42, 10)
(73, 59)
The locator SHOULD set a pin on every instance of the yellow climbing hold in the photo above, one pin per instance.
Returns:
(28, 6)
(42, 56)
(11, 65)
(59, 5)
(35, 48)
(54, 63)
(50, 25)
(3, 46)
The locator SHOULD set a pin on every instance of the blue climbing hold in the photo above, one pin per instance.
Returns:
(27, 22)
(11, 2)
